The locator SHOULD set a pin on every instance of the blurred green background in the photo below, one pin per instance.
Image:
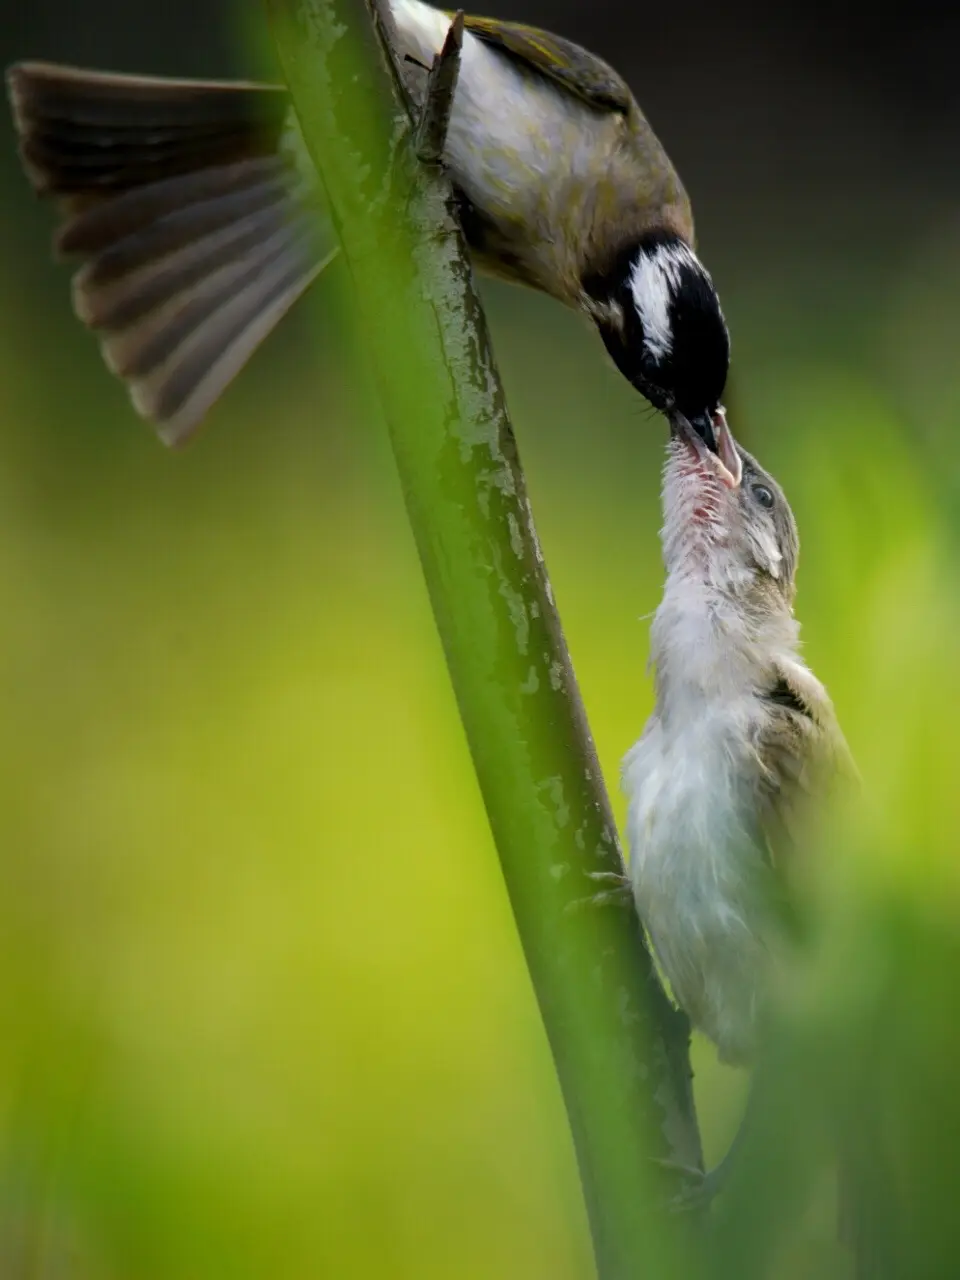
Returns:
(263, 1011)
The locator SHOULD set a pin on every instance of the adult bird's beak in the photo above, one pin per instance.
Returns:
(710, 438)
(703, 425)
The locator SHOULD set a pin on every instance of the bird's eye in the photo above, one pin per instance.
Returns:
(763, 495)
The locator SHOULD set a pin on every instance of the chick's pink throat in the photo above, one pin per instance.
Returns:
(698, 491)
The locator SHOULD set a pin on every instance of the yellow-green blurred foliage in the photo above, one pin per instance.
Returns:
(263, 1009)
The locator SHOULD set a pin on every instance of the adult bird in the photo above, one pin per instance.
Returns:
(192, 208)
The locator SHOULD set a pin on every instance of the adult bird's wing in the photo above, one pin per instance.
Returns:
(573, 68)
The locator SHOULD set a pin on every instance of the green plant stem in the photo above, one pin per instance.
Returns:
(619, 1048)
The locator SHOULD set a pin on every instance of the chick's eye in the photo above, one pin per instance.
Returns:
(763, 495)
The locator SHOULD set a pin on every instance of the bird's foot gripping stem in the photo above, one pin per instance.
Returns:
(428, 108)
(619, 893)
(430, 135)
(700, 1188)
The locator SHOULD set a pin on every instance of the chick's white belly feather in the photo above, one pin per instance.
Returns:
(697, 873)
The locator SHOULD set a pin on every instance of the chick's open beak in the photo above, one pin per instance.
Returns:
(728, 455)
(703, 425)
(719, 450)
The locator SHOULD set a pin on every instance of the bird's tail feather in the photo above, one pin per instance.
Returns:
(194, 226)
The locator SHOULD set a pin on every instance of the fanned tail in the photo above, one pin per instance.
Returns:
(195, 228)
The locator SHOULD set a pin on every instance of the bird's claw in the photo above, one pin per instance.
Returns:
(700, 1188)
(621, 895)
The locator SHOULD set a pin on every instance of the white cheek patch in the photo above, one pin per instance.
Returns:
(767, 551)
(651, 296)
(654, 281)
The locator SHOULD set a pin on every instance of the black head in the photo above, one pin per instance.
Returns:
(660, 318)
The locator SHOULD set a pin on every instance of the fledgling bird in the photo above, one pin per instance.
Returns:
(742, 745)
(192, 207)
(742, 749)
